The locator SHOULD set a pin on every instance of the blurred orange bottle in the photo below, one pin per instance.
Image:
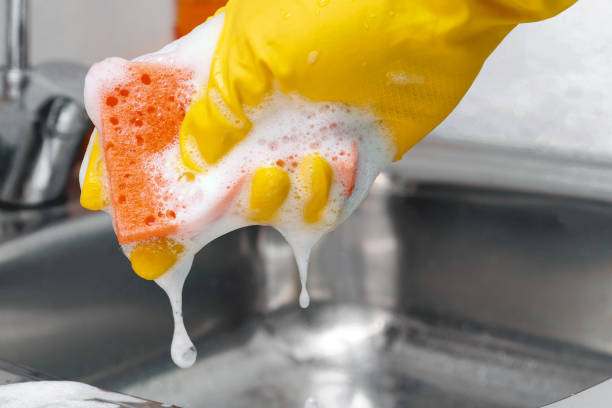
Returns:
(192, 13)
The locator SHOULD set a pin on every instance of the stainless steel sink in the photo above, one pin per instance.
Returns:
(430, 295)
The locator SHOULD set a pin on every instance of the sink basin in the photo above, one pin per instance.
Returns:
(430, 295)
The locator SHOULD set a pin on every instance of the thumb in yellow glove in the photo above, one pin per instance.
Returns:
(407, 61)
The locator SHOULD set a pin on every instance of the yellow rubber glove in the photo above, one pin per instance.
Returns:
(409, 61)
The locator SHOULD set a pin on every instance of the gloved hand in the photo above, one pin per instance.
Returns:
(408, 61)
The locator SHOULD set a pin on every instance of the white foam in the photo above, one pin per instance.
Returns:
(85, 163)
(60, 394)
(99, 77)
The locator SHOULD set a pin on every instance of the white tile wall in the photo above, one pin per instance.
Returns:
(547, 87)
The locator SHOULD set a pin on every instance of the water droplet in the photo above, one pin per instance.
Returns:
(183, 351)
(313, 56)
(404, 78)
(323, 3)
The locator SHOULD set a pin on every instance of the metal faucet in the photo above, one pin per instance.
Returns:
(42, 119)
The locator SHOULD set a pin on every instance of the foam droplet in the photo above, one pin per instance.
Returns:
(313, 56)
(183, 351)
(302, 257)
(304, 297)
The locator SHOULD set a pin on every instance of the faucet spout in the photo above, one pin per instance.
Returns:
(42, 119)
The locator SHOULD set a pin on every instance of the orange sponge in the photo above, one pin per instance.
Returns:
(141, 115)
